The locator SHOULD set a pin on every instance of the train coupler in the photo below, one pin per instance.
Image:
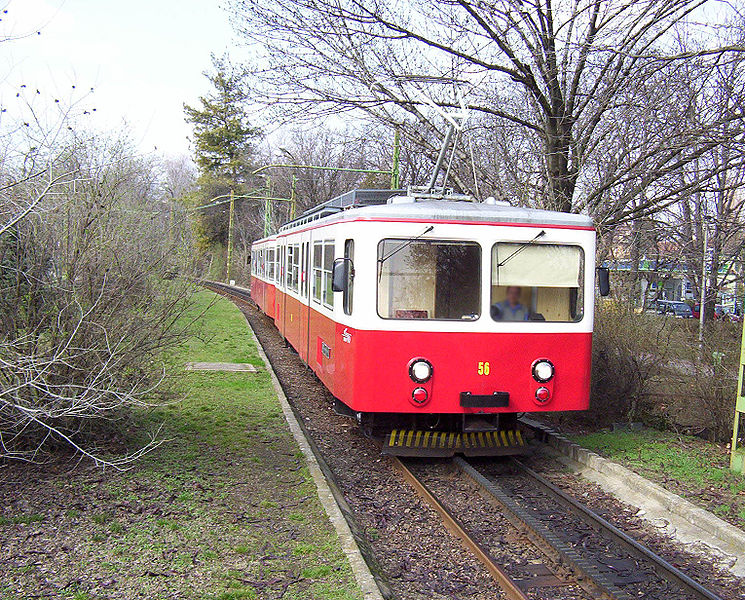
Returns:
(410, 442)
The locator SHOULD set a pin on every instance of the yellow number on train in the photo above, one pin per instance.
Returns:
(483, 368)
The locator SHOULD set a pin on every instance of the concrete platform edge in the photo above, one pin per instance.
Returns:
(362, 574)
(687, 522)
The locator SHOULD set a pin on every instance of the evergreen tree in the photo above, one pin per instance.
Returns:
(223, 146)
(223, 136)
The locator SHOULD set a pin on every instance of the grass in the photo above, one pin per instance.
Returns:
(217, 512)
(21, 519)
(686, 465)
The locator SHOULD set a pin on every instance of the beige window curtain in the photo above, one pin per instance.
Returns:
(537, 265)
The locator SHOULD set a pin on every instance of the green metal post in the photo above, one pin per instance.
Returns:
(396, 159)
(293, 200)
(737, 455)
(268, 209)
(230, 236)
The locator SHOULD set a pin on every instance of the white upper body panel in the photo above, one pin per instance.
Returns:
(483, 224)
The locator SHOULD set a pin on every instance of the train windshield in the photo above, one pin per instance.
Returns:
(429, 279)
(537, 282)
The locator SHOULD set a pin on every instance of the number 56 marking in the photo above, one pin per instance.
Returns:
(483, 368)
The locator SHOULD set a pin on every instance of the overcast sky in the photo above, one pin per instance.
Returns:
(144, 59)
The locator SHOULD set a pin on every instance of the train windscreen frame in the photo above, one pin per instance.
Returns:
(429, 280)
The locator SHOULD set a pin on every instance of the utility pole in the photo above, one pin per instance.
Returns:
(396, 159)
(268, 209)
(230, 235)
(702, 304)
(293, 199)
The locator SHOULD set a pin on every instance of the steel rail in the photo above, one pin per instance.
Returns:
(587, 574)
(451, 522)
(661, 566)
(223, 288)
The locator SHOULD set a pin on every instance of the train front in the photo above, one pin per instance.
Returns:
(474, 324)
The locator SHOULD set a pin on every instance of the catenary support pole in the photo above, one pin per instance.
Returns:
(396, 159)
(231, 221)
(702, 304)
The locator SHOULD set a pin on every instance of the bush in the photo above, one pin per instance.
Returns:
(88, 302)
(628, 354)
(703, 385)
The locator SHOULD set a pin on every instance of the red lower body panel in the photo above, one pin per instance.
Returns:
(373, 373)
(369, 370)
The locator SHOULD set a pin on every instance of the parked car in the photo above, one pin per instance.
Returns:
(675, 309)
(720, 313)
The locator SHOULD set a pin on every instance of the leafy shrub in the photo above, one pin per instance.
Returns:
(628, 353)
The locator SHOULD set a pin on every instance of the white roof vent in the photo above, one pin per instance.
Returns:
(401, 199)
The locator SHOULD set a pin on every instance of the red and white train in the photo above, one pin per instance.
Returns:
(435, 322)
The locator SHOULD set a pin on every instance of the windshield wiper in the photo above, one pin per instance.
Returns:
(521, 248)
(410, 241)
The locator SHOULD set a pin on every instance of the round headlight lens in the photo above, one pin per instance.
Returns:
(420, 370)
(543, 371)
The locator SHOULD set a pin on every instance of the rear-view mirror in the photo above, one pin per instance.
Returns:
(339, 276)
(604, 281)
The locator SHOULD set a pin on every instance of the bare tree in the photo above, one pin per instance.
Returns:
(85, 313)
(179, 176)
(554, 87)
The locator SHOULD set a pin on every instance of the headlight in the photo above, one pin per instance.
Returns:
(543, 370)
(420, 370)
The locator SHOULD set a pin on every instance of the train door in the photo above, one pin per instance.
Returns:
(302, 325)
(282, 289)
(306, 299)
(275, 279)
(345, 340)
(262, 271)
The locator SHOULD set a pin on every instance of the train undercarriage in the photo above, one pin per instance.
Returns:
(442, 435)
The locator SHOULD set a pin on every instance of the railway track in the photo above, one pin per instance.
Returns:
(587, 551)
(232, 292)
(558, 548)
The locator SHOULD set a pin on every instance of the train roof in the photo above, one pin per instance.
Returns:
(397, 205)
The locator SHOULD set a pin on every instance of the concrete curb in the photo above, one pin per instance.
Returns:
(686, 521)
(362, 574)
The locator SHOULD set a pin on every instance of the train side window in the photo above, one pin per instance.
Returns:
(306, 269)
(317, 270)
(283, 268)
(278, 264)
(328, 269)
(302, 269)
(270, 264)
(295, 267)
(293, 261)
(349, 291)
(288, 270)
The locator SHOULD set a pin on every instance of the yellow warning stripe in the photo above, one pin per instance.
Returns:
(432, 439)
